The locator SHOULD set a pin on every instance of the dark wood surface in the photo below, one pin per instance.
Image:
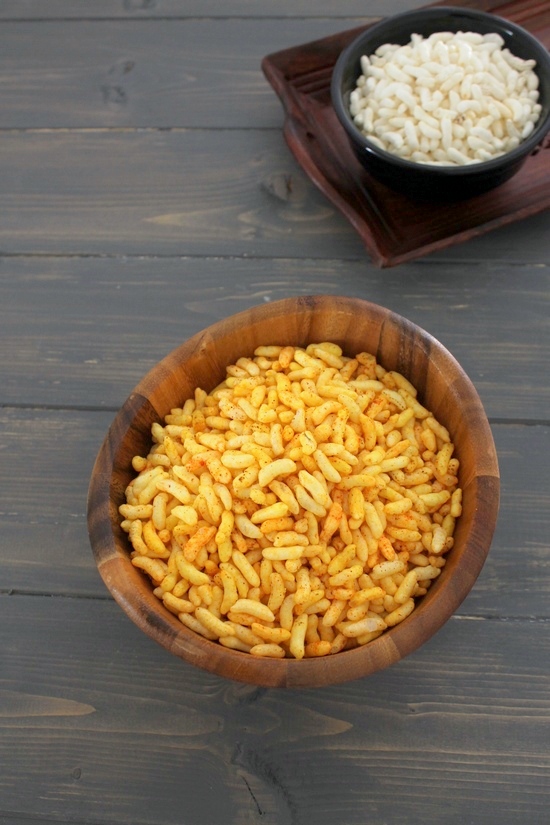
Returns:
(138, 204)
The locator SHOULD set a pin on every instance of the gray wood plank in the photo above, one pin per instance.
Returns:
(83, 331)
(159, 72)
(47, 460)
(106, 717)
(167, 73)
(151, 9)
(192, 192)
(518, 565)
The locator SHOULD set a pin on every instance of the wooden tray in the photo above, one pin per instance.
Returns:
(394, 227)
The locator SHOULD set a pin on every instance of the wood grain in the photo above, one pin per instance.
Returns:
(112, 72)
(44, 545)
(151, 9)
(172, 193)
(177, 9)
(159, 193)
(112, 310)
(107, 701)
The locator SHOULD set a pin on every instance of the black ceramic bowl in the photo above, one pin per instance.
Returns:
(432, 181)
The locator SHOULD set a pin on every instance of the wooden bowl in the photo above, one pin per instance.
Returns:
(355, 325)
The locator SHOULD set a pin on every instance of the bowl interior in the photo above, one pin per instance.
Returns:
(357, 326)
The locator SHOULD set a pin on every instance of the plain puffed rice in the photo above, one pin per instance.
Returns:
(448, 99)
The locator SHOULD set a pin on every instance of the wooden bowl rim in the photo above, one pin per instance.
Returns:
(145, 610)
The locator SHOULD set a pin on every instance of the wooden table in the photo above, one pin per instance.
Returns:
(146, 191)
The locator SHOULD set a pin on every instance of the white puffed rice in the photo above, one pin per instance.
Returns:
(449, 99)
